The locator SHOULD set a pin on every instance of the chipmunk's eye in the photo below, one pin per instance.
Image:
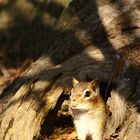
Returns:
(87, 94)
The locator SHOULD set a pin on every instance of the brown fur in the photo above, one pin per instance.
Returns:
(88, 112)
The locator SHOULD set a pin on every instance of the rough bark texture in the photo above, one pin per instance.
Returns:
(88, 38)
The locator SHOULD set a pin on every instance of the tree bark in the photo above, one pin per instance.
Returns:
(90, 36)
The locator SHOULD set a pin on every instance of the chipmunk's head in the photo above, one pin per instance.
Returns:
(84, 95)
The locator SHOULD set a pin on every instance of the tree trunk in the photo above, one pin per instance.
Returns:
(91, 34)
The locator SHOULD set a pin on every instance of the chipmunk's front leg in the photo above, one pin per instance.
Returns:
(81, 131)
(99, 137)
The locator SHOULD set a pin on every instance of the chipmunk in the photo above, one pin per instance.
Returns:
(88, 110)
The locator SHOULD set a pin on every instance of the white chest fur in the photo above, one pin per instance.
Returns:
(89, 125)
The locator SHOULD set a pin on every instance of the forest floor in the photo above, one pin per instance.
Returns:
(12, 63)
(60, 133)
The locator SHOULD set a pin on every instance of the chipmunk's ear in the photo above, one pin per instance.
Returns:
(95, 85)
(74, 81)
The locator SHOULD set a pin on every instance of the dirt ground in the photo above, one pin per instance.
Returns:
(58, 127)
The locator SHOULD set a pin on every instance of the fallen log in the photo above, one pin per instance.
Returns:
(86, 45)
